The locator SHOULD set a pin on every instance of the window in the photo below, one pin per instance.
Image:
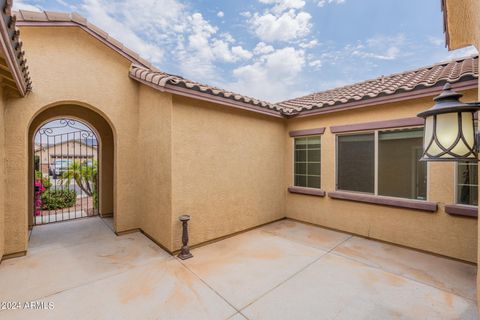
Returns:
(383, 162)
(307, 162)
(467, 183)
(400, 174)
(356, 163)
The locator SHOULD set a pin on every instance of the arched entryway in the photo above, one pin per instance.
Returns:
(71, 165)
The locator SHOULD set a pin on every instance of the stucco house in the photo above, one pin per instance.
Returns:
(66, 151)
(345, 158)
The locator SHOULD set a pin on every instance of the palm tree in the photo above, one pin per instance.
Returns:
(84, 175)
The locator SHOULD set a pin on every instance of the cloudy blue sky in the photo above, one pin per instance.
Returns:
(272, 49)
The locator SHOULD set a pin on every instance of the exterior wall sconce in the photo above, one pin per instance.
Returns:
(185, 251)
(449, 133)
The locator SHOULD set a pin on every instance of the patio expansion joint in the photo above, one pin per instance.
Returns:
(35, 250)
(325, 253)
(114, 274)
(97, 280)
(211, 288)
(374, 266)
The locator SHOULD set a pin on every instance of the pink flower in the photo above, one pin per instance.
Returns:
(39, 189)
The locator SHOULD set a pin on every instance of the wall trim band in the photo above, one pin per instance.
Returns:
(385, 201)
(386, 124)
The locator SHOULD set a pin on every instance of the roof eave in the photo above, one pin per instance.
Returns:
(396, 97)
(12, 58)
(209, 98)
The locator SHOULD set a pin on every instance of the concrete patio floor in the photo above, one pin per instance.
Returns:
(284, 270)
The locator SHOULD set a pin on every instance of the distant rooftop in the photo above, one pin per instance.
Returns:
(462, 69)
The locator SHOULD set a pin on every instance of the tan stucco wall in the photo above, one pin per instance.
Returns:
(170, 155)
(212, 173)
(463, 22)
(463, 29)
(435, 232)
(227, 169)
(71, 66)
(155, 164)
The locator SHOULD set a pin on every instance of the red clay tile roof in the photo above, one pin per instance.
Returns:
(12, 47)
(175, 84)
(458, 70)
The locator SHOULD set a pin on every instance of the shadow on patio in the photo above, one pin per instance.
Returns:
(285, 270)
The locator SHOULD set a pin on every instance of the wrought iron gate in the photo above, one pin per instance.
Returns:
(66, 173)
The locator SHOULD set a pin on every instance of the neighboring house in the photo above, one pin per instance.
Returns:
(345, 158)
(67, 151)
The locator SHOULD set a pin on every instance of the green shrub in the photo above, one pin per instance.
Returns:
(58, 199)
(45, 181)
(95, 199)
(37, 162)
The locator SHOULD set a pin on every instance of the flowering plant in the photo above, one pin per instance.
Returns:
(39, 189)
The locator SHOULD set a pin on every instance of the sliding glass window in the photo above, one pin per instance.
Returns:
(383, 163)
(356, 163)
(400, 173)
(307, 162)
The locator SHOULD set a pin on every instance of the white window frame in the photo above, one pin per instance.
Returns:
(293, 161)
(375, 133)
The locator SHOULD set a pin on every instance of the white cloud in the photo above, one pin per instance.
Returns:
(315, 63)
(222, 51)
(167, 26)
(380, 47)
(197, 55)
(436, 41)
(322, 3)
(390, 54)
(228, 37)
(272, 76)
(241, 53)
(309, 44)
(69, 6)
(220, 14)
(20, 5)
(102, 13)
(262, 48)
(282, 5)
(285, 27)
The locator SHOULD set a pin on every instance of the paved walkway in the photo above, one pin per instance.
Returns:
(285, 270)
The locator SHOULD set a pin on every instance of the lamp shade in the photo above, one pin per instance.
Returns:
(449, 133)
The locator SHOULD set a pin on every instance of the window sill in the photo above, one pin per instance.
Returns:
(385, 201)
(307, 191)
(462, 210)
